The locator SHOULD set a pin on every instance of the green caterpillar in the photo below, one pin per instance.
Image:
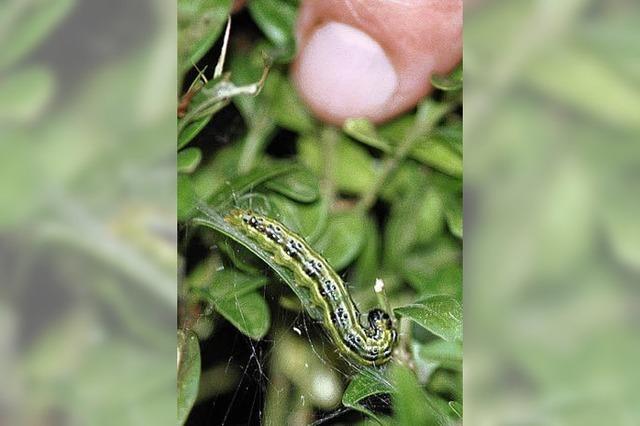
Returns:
(367, 345)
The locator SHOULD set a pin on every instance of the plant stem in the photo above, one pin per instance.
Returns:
(383, 300)
(429, 114)
(329, 141)
(250, 149)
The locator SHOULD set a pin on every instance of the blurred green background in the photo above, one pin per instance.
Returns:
(87, 212)
(552, 254)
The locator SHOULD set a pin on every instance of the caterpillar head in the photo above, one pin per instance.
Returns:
(380, 320)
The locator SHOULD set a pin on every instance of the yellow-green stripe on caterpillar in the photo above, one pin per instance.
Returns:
(367, 345)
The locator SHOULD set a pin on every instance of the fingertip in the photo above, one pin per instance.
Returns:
(375, 59)
(342, 72)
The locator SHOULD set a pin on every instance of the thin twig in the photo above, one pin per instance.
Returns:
(427, 117)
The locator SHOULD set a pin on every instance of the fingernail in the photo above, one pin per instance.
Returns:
(344, 72)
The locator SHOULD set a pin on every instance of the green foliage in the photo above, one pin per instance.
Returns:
(448, 83)
(87, 212)
(276, 19)
(361, 387)
(199, 25)
(188, 373)
(328, 191)
(552, 128)
(441, 315)
(26, 23)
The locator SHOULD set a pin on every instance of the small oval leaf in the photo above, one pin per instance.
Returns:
(188, 160)
(441, 315)
(300, 185)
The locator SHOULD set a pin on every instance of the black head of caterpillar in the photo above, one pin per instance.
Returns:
(371, 344)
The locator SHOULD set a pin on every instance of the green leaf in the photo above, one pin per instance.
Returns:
(453, 215)
(188, 160)
(451, 134)
(343, 239)
(355, 170)
(192, 129)
(247, 66)
(445, 280)
(441, 315)
(229, 284)
(300, 185)
(26, 24)
(276, 19)
(288, 110)
(450, 82)
(366, 267)
(24, 94)
(363, 386)
(419, 266)
(187, 198)
(199, 25)
(402, 182)
(240, 257)
(397, 129)
(364, 131)
(429, 216)
(239, 185)
(442, 352)
(249, 313)
(233, 295)
(412, 406)
(404, 227)
(438, 154)
(211, 175)
(188, 373)
(210, 218)
(308, 220)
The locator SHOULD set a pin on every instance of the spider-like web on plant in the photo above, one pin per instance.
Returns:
(293, 373)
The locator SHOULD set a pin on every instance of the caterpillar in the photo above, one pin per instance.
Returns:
(368, 345)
